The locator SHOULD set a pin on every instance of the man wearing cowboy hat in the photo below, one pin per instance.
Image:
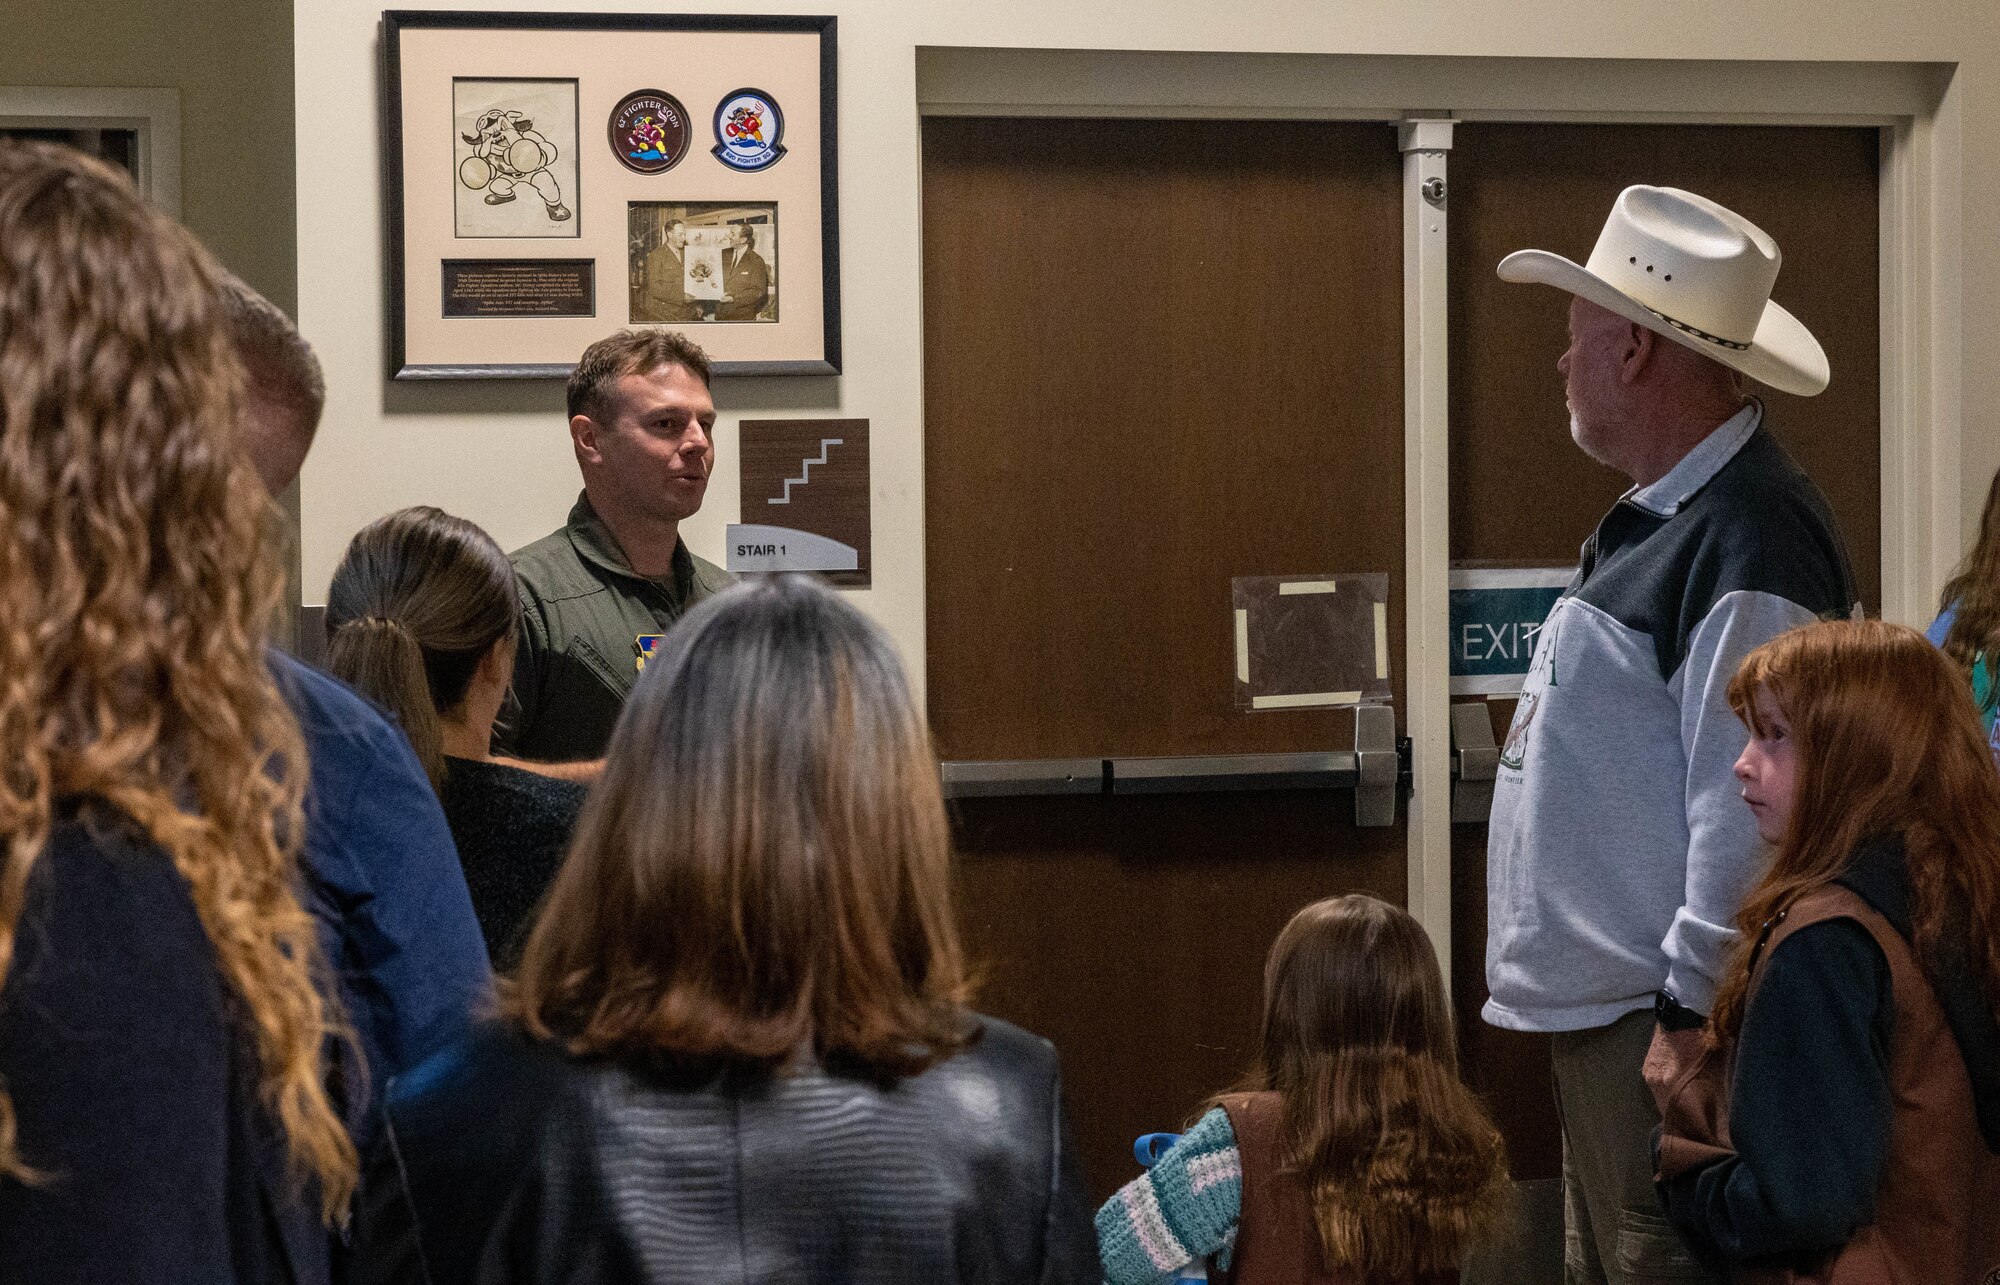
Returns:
(1620, 848)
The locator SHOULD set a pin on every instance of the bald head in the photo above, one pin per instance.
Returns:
(284, 390)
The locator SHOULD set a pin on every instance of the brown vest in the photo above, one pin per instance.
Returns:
(1937, 1213)
(1277, 1240)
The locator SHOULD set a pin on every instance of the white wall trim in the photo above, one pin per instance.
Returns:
(1934, 297)
(954, 80)
(1922, 429)
(1906, 454)
(154, 113)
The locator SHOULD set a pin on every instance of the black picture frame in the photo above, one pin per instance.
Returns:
(397, 21)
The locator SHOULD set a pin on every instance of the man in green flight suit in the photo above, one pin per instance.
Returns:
(596, 594)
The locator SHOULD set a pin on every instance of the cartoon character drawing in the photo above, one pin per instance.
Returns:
(646, 140)
(508, 150)
(1540, 678)
(1515, 752)
(745, 128)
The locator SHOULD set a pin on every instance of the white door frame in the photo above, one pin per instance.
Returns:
(155, 114)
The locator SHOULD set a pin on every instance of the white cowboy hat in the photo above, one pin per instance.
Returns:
(1695, 272)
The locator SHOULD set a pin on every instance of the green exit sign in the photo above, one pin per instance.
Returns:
(1496, 616)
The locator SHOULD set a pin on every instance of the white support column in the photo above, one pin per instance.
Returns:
(1427, 524)
(1930, 498)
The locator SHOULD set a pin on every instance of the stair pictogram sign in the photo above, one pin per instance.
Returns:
(804, 499)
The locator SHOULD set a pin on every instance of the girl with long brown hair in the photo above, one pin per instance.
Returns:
(422, 616)
(737, 1046)
(163, 1113)
(1353, 1153)
(1968, 622)
(1837, 1121)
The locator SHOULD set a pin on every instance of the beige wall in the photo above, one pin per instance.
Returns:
(499, 454)
(231, 60)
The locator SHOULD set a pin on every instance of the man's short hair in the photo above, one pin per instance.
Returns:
(278, 363)
(629, 352)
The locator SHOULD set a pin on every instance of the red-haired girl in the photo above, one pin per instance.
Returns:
(1837, 1122)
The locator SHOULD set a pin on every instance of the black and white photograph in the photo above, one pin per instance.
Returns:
(696, 261)
(516, 158)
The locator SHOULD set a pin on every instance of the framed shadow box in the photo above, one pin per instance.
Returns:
(554, 177)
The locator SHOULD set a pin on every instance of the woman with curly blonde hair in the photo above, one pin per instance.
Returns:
(1353, 1155)
(162, 1109)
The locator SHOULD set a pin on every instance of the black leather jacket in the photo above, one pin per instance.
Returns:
(506, 1160)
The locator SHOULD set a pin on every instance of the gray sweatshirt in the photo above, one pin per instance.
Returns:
(1620, 848)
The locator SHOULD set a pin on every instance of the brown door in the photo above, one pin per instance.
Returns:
(1522, 494)
(1157, 355)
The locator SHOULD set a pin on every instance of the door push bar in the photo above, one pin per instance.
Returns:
(1017, 778)
(1375, 770)
(1205, 772)
(1475, 761)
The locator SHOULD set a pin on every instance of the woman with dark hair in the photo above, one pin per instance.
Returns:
(1968, 623)
(1838, 1118)
(736, 1046)
(1353, 1153)
(163, 1104)
(422, 614)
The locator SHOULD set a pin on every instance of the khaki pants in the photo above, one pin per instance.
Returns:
(1614, 1233)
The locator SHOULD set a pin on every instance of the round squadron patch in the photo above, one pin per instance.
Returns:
(649, 131)
(749, 130)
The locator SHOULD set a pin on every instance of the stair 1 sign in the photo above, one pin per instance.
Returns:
(1496, 616)
(804, 496)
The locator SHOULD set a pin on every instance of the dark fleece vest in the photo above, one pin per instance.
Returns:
(1938, 1212)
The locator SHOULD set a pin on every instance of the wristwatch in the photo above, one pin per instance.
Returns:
(1673, 1015)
